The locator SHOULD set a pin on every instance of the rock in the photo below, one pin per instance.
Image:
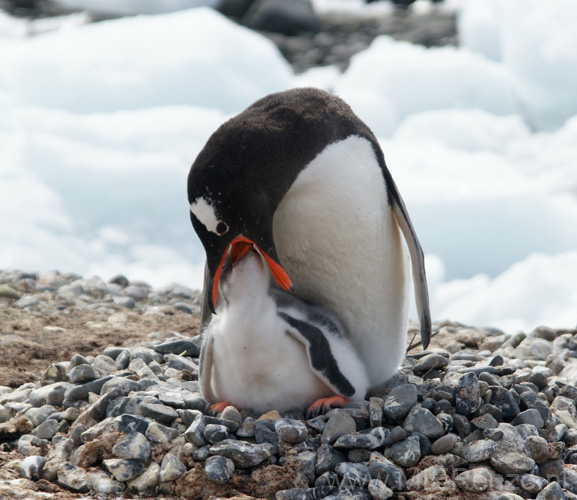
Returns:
(291, 431)
(158, 433)
(104, 364)
(327, 459)
(507, 459)
(478, 451)
(7, 292)
(564, 408)
(504, 400)
(74, 478)
(551, 492)
(475, 480)
(134, 446)
(294, 494)
(383, 469)
(530, 416)
(430, 362)
(124, 470)
(147, 480)
(279, 16)
(178, 347)
(366, 441)
(27, 301)
(136, 292)
(423, 421)
(219, 469)
(533, 348)
(426, 478)
(532, 483)
(354, 474)
(399, 401)
(537, 448)
(159, 412)
(32, 467)
(406, 453)
(379, 490)
(339, 423)
(214, 433)
(241, 453)
(102, 485)
(171, 468)
(444, 444)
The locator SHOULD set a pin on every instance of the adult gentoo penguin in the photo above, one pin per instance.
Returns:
(303, 179)
(266, 349)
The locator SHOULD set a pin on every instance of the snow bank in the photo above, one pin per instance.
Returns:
(476, 210)
(392, 80)
(196, 57)
(535, 291)
(101, 193)
(536, 41)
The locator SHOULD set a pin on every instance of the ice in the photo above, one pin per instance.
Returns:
(536, 41)
(535, 291)
(131, 7)
(392, 80)
(195, 57)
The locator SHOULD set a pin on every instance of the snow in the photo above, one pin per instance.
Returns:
(99, 124)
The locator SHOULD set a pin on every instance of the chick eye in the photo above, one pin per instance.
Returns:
(221, 228)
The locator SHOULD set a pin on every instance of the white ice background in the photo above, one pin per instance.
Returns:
(99, 124)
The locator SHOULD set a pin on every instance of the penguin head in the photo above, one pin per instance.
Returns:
(244, 274)
(229, 225)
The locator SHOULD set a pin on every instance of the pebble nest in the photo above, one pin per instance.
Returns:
(483, 414)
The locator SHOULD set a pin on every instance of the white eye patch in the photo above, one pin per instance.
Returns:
(204, 212)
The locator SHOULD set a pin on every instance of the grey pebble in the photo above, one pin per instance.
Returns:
(507, 459)
(424, 422)
(74, 478)
(133, 446)
(327, 459)
(406, 453)
(124, 470)
(353, 473)
(338, 424)
(475, 480)
(291, 431)
(444, 444)
(32, 467)
(213, 433)
(243, 454)
(478, 451)
(399, 401)
(219, 469)
(171, 468)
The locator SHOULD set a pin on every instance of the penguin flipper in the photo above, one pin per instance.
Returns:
(205, 369)
(418, 267)
(205, 313)
(321, 359)
(415, 250)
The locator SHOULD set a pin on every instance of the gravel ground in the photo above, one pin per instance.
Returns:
(481, 414)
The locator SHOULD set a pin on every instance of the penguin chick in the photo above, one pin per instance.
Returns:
(266, 349)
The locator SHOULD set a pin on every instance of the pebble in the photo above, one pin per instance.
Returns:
(219, 469)
(467, 420)
(133, 446)
(400, 401)
(171, 468)
(475, 480)
(124, 470)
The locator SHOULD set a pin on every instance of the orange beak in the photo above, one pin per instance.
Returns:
(239, 247)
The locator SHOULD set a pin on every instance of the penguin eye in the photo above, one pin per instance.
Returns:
(221, 228)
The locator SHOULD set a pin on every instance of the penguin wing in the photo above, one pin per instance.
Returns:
(415, 250)
(205, 314)
(321, 359)
(205, 369)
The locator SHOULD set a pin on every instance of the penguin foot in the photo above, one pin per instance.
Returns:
(325, 404)
(220, 406)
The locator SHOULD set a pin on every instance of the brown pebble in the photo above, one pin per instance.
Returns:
(444, 444)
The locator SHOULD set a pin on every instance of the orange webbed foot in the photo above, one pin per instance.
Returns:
(220, 406)
(325, 404)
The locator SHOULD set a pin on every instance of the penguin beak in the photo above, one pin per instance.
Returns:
(239, 247)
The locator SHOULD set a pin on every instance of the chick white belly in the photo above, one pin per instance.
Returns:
(263, 371)
(340, 244)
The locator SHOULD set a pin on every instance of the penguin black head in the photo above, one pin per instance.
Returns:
(231, 213)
